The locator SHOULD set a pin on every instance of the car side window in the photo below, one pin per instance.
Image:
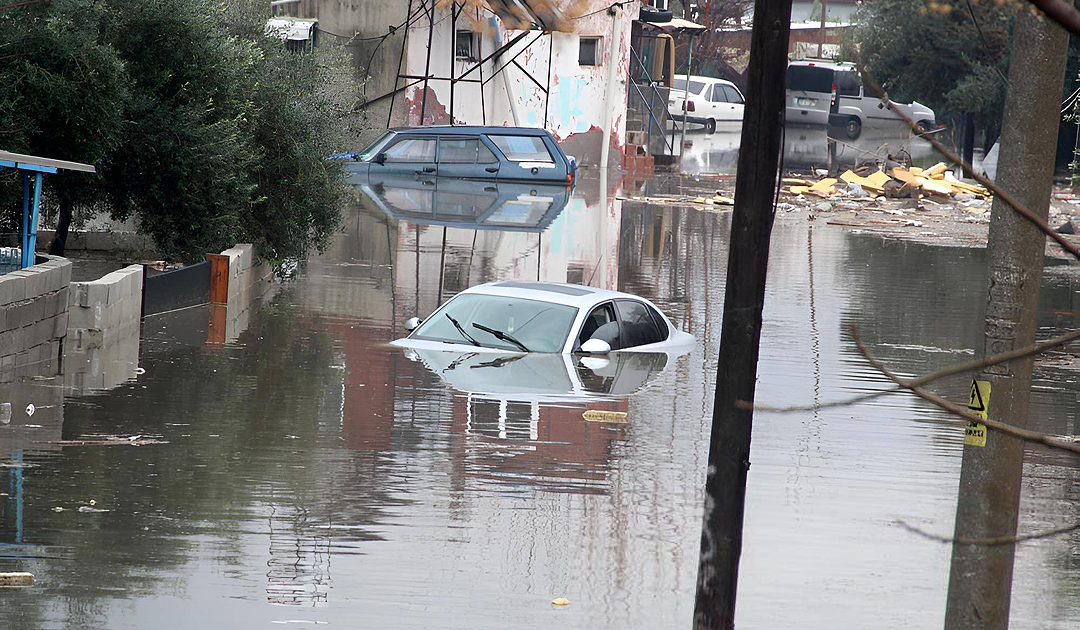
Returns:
(661, 323)
(411, 150)
(733, 95)
(717, 94)
(522, 148)
(847, 83)
(638, 327)
(458, 150)
(485, 156)
(603, 315)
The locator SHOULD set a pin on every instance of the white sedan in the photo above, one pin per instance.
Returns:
(706, 100)
(515, 316)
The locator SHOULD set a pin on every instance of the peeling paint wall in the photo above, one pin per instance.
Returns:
(575, 110)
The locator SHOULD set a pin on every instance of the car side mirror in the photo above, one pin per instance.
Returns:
(412, 323)
(596, 346)
(379, 159)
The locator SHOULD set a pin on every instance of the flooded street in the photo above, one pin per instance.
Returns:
(313, 475)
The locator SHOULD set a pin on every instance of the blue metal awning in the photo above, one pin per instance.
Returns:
(36, 166)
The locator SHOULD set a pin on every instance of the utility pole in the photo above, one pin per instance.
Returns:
(744, 297)
(980, 577)
(821, 41)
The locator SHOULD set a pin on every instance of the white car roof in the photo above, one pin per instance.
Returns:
(694, 77)
(557, 293)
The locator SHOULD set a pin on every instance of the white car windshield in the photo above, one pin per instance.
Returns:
(497, 321)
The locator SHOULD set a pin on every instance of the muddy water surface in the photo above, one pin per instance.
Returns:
(315, 476)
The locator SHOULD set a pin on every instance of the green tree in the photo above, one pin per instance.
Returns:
(203, 127)
(951, 56)
(62, 95)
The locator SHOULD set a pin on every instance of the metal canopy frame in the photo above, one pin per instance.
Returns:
(455, 11)
(34, 166)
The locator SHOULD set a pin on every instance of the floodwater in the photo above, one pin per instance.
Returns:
(807, 147)
(315, 477)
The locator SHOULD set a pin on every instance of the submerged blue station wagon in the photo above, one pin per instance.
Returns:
(469, 152)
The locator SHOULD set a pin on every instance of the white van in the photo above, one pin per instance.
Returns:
(829, 93)
(708, 101)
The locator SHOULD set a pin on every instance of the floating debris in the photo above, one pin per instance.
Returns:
(16, 579)
(110, 440)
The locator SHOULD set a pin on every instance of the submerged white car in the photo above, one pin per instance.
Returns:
(514, 316)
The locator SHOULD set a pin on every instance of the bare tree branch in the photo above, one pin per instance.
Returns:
(1065, 443)
(959, 368)
(869, 81)
(994, 541)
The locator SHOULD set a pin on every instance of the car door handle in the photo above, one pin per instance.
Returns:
(492, 169)
(427, 169)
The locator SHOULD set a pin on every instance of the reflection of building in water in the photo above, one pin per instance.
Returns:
(527, 442)
(580, 246)
(298, 572)
(31, 416)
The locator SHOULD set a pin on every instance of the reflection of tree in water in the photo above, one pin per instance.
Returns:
(249, 427)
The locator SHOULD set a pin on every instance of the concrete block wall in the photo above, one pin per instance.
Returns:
(248, 281)
(102, 347)
(34, 319)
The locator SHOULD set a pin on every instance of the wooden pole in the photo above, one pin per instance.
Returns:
(821, 40)
(744, 297)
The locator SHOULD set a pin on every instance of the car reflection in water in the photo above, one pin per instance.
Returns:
(469, 204)
(545, 377)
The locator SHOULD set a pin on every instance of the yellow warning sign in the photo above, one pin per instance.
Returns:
(979, 404)
(595, 415)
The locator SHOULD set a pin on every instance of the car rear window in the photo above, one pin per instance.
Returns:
(522, 148)
(809, 79)
(695, 86)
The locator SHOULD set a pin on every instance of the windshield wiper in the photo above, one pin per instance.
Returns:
(501, 335)
(462, 330)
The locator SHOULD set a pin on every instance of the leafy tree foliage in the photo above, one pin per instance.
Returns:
(62, 94)
(952, 56)
(207, 130)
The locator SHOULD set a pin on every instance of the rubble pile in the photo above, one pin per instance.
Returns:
(899, 182)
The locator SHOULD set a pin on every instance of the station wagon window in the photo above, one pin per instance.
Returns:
(589, 51)
(638, 327)
(412, 150)
(522, 148)
(458, 150)
(373, 148)
(464, 151)
(732, 94)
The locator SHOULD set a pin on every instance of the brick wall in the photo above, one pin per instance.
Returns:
(33, 319)
(102, 346)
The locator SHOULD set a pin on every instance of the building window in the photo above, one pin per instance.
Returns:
(465, 45)
(589, 51)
